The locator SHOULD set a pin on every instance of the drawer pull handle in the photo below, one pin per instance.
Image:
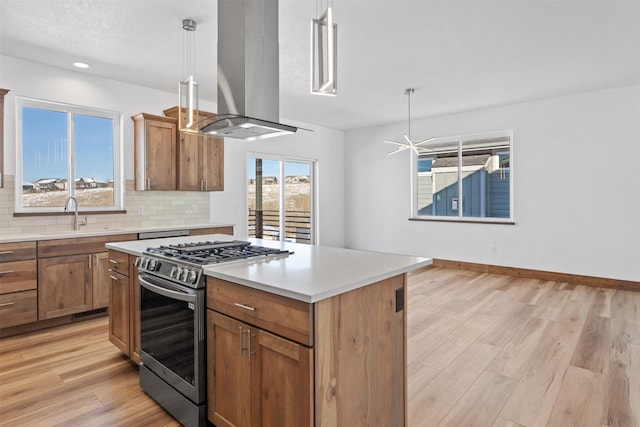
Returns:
(6, 304)
(246, 307)
(113, 261)
(6, 272)
(6, 252)
(114, 278)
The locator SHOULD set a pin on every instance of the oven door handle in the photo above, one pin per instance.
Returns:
(182, 296)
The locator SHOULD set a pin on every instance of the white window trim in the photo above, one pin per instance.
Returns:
(458, 140)
(314, 176)
(118, 179)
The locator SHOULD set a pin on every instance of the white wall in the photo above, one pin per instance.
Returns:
(323, 145)
(576, 173)
(29, 79)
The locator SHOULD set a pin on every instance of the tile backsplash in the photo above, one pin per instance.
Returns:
(144, 209)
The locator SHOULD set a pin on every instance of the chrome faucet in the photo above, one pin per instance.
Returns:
(75, 217)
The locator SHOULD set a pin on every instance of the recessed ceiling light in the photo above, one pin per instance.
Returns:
(80, 65)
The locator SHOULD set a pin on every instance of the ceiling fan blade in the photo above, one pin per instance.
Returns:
(407, 138)
(424, 141)
(399, 149)
(394, 142)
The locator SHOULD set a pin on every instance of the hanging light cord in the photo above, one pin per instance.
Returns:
(409, 92)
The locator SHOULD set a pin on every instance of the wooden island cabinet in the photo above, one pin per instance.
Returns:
(277, 361)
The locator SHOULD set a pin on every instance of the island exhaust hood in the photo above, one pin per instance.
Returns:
(248, 71)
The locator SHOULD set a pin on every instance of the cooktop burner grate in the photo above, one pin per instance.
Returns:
(203, 253)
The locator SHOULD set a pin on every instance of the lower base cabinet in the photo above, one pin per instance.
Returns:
(124, 312)
(265, 379)
(64, 286)
(273, 361)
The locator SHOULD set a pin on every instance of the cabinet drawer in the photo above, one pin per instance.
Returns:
(18, 276)
(119, 261)
(17, 251)
(274, 313)
(18, 308)
(79, 245)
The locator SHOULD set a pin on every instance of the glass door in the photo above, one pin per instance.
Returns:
(280, 199)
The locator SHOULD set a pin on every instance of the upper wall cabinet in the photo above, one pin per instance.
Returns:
(155, 152)
(200, 157)
(169, 159)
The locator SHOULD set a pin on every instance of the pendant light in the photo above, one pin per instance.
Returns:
(324, 52)
(188, 88)
(408, 143)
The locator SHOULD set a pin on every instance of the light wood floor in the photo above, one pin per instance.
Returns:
(492, 350)
(484, 350)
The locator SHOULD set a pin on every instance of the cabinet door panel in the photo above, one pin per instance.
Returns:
(134, 311)
(213, 163)
(228, 375)
(64, 286)
(282, 382)
(119, 311)
(100, 284)
(160, 163)
(188, 162)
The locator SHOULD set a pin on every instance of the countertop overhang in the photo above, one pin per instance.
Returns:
(310, 274)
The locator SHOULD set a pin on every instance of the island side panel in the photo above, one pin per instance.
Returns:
(360, 357)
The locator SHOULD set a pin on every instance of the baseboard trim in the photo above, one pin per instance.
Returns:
(574, 279)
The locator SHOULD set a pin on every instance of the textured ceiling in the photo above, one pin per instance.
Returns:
(459, 55)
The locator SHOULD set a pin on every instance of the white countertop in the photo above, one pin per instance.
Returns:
(310, 274)
(89, 232)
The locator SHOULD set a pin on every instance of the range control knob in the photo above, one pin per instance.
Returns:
(173, 272)
(185, 274)
(137, 263)
(153, 264)
(144, 263)
(179, 273)
(192, 277)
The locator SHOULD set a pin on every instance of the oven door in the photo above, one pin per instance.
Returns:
(172, 334)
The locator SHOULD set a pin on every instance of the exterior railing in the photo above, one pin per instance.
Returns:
(266, 225)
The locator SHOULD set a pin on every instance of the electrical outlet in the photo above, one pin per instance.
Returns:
(493, 248)
(140, 210)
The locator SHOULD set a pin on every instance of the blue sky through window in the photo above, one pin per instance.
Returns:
(44, 145)
(272, 168)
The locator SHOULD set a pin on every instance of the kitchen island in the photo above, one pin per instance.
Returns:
(317, 337)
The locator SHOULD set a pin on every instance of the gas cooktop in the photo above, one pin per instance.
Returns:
(207, 252)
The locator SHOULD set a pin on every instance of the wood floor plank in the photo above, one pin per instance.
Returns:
(535, 395)
(502, 422)
(580, 401)
(428, 407)
(593, 351)
(477, 408)
(516, 356)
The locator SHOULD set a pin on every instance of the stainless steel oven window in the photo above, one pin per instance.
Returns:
(172, 334)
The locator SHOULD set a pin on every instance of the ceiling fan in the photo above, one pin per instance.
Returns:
(416, 146)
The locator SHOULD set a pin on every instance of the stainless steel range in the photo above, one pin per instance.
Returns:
(172, 321)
